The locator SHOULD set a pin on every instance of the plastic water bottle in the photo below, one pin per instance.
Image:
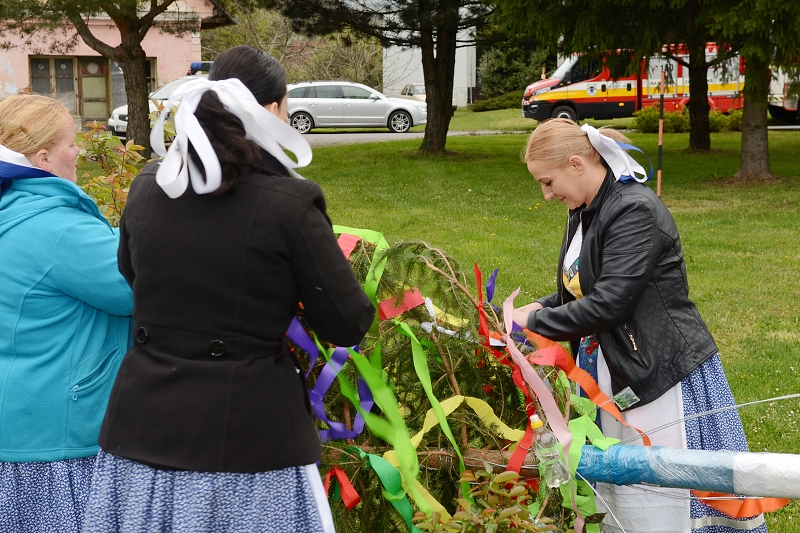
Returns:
(546, 448)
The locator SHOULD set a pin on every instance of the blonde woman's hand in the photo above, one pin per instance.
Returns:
(520, 315)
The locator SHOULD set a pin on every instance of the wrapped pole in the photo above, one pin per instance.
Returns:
(774, 475)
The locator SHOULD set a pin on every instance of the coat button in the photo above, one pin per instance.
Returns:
(141, 335)
(216, 348)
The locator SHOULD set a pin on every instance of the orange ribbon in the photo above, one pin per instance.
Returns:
(740, 507)
(553, 354)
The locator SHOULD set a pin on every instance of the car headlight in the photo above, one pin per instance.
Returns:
(422, 108)
(540, 91)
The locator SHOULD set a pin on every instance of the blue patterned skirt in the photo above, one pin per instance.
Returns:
(704, 390)
(128, 496)
(44, 496)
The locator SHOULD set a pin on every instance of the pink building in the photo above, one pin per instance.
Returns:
(91, 85)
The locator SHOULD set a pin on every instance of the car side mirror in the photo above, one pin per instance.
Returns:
(374, 97)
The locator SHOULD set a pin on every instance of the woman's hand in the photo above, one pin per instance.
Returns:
(520, 315)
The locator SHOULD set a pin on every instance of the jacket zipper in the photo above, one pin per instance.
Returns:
(635, 347)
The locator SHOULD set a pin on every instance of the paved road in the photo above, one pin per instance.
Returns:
(318, 138)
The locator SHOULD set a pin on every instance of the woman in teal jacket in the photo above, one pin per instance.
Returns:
(64, 320)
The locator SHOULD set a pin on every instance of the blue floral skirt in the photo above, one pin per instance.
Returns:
(128, 496)
(44, 496)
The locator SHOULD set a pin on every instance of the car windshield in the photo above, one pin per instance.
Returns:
(564, 68)
(166, 91)
(419, 89)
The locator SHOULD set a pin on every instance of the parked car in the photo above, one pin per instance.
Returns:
(342, 104)
(416, 91)
(118, 122)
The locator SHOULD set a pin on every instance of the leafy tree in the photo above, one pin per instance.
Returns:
(435, 26)
(770, 35)
(67, 20)
(339, 56)
(632, 29)
(510, 63)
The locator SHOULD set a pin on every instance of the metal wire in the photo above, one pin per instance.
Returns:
(597, 494)
(711, 412)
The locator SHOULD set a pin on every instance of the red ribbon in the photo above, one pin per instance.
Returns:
(350, 497)
(391, 307)
(347, 243)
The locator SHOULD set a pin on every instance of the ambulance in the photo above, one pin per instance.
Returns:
(583, 87)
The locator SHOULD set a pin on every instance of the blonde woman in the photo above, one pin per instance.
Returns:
(64, 320)
(622, 300)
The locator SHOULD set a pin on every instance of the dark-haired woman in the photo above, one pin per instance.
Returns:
(209, 427)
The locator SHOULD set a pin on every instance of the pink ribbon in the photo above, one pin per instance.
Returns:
(554, 417)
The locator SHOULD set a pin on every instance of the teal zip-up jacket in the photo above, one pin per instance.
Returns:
(64, 320)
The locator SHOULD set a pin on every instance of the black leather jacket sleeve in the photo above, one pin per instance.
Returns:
(630, 248)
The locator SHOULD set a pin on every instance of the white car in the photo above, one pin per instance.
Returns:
(416, 91)
(342, 104)
(118, 122)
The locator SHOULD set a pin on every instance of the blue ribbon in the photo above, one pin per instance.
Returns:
(626, 146)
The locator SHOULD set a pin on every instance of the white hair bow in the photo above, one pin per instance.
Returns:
(261, 126)
(622, 165)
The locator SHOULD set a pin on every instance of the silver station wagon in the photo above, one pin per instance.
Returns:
(341, 104)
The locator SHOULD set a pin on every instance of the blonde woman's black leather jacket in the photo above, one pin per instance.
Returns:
(636, 296)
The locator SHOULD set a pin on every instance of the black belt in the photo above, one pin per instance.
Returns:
(205, 346)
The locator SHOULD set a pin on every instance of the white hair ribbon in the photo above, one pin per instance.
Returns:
(622, 165)
(261, 127)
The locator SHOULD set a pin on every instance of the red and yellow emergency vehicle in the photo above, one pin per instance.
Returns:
(583, 87)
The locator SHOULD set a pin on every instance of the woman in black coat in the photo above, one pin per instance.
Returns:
(209, 426)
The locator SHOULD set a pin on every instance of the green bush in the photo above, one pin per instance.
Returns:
(735, 120)
(646, 120)
(717, 121)
(506, 101)
(503, 70)
(676, 122)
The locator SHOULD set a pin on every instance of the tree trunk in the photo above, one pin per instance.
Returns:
(133, 62)
(699, 133)
(438, 68)
(754, 162)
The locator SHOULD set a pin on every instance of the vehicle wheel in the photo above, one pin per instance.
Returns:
(302, 122)
(566, 112)
(779, 113)
(399, 122)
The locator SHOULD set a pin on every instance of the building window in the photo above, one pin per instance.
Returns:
(55, 77)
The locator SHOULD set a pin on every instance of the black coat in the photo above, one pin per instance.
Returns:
(636, 294)
(209, 384)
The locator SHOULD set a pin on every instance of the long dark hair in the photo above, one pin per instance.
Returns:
(265, 78)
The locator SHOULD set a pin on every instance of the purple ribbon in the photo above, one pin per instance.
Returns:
(301, 339)
(490, 285)
(326, 377)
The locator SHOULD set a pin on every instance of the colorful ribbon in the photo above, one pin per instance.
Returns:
(350, 497)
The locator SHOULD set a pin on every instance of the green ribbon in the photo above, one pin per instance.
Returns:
(392, 429)
(424, 375)
(374, 275)
(581, 428)
(392, 486)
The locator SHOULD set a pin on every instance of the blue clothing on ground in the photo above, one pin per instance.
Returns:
(64, 320)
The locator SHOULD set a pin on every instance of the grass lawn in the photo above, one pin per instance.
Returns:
(741, 243)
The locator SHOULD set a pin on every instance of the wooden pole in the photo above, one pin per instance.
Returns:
(660, 134)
